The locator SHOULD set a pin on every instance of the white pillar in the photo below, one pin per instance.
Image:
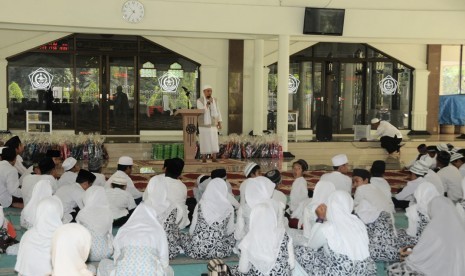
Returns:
(266, 71)
(3, 95)
(258, 125)
(283, 85)
(420, 99)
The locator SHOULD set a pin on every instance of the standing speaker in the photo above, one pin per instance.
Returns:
(324, 128)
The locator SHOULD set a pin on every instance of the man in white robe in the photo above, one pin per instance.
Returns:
(16, 144)
(71, 168)
(46, 171)
(209, 123)
(339, 178)
(9, 181)
(124, 170)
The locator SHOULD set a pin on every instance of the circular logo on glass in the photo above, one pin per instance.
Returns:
(191, 128)
(40, 79)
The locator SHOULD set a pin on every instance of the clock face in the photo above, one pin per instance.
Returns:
(133, 11)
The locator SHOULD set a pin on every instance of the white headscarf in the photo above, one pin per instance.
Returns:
(34, 255)
(299, 193)
(257, 190)
(441, 247)
(373, 202)
(157, 198)
(42, 189)
(96, 214)
(143, 229)
(346, 234)
(70, 250)
(424, 193)
(215, 204)
(261, 245)
(323, 189)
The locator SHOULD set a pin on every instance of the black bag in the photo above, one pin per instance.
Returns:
(324, 128)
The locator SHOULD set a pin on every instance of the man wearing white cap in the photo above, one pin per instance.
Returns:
(209, 123)
(390, 136)
(450, 176)
(124, 170)
(339, 178)
(71, 169)
(251, 170)
(458, 160)
(121, 201)
(433, 178)
(417, 173)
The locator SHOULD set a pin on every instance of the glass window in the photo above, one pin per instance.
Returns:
(40, 81)
(450, 70)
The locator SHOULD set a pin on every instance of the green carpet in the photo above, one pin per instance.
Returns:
(182, 265)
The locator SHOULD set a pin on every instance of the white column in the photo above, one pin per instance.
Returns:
(266, 71)
(3, 95)
(258, 125)
(283, 84)
(420, 99)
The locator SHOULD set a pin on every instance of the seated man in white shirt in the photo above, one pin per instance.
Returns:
(177, 191)
(124, 170)
(71, 195)
(55, 155)
(121, 202)
(405, 196)
(450, 176)
(9, 180)
(339, 178)
(390, 136)
(95, 167)
(46, 171)
(377, 177)
(275, 177)
(16, 144)
(458, 160)
(71, 169)
(251, 170)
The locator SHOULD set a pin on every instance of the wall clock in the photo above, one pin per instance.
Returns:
(133, 11)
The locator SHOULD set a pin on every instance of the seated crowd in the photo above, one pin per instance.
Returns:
(343, 227)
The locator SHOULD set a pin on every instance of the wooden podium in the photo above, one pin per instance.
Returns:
(189, 127)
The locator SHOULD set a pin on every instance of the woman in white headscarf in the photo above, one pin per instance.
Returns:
(338, 242)
(41, 190)
(34, 255)
(141, 247)
(376, 210)
(97, 217)
(441, 247)
(323, 189)
(417, 215)
(212, 228)
(258, 189)
(266, 249)
(70, 249)
(169, 214)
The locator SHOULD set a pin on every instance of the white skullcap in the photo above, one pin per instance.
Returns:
(125, 160)
(339, 160)
(374, 120)
(442, 147)
(420, 167)
(456, 156)
(69, 163)
(249, 167)
(207, 86)
(454, 150)
(119, 181)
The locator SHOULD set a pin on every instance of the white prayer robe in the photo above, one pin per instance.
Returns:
(130, 184)
(120, 202)
(30, 181)
(341, 181)
(9, 184)
(452, 180)
(71, 197)
(67, 178)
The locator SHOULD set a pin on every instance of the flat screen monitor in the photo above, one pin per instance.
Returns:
(324, 21)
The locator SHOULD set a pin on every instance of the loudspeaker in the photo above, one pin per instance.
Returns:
(324, 128)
